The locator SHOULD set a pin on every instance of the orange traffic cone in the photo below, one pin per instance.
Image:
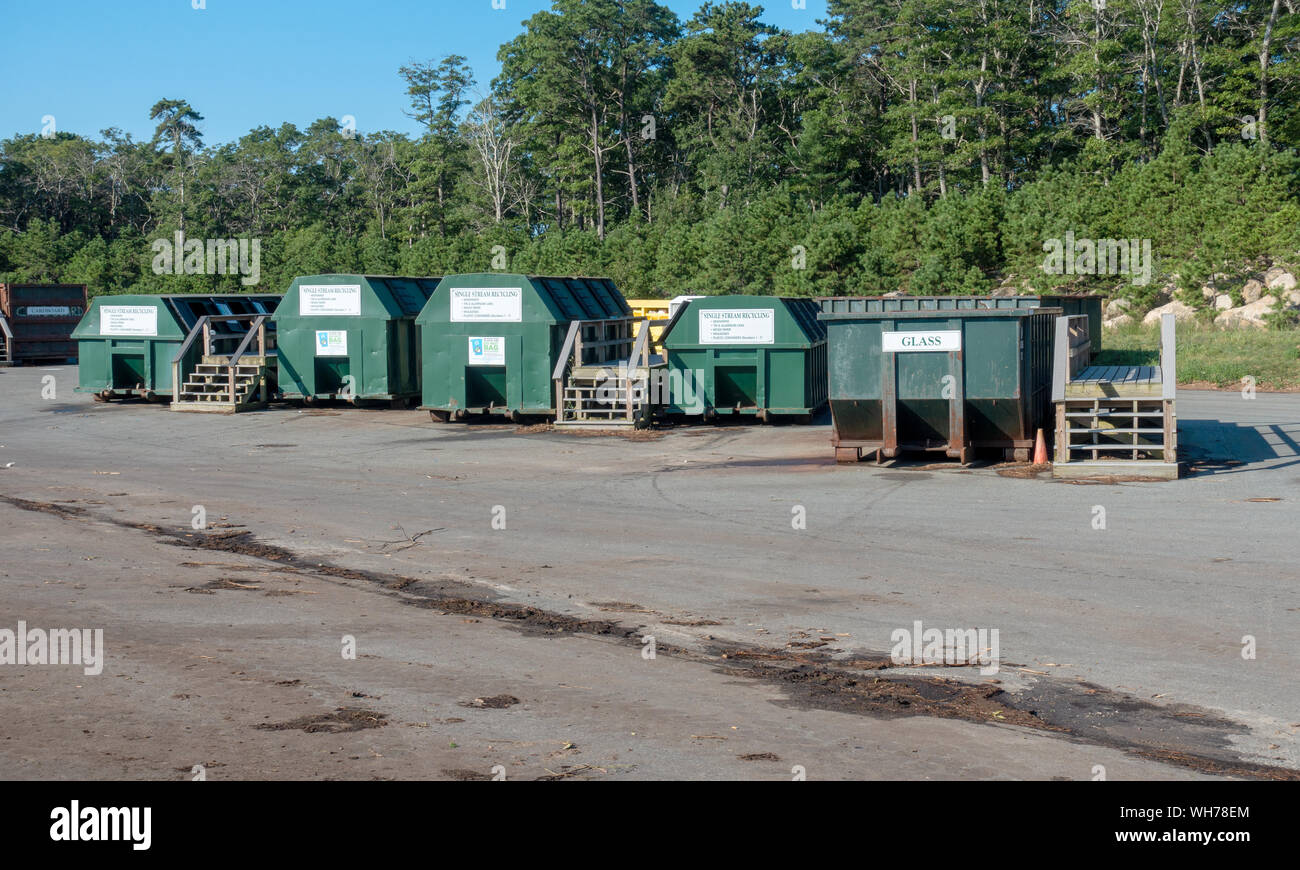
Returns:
(1040, 450)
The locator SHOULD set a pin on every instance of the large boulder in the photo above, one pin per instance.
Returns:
(1250, 314)
(1253, 291)
(1117, 306)
(1117, 321)
(1180, 310)
(1279, 279)
(1223, 302)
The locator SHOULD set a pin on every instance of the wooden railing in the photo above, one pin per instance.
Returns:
(569, 352)
(1071, 352)
(640, 358)
(9, 340)
(1168, 357)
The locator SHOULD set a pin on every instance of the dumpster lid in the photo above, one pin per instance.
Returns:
(582, 298)
(835, 307)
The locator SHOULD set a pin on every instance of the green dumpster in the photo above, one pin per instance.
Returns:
(126, 344)
(1079, 303)
(952, 374)
(351, 337)
(762, 356)
(490, 341)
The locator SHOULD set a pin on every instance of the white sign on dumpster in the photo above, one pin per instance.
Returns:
(487, 304)
(737, 325)
(942, 341)
(487, 350)
(329, 300)
(331, 342)
(128, 320)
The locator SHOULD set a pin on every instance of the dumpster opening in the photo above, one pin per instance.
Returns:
(485, 386)
(128, 372)
(737, 387)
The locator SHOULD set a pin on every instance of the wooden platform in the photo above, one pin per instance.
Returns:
(1113, 419)
(1116, 382)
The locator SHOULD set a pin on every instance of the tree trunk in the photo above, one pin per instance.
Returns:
(599, 173)
(1264, 51)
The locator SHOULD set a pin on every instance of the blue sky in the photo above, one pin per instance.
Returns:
(94, 64)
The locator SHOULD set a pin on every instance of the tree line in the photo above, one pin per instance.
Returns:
(918, 145)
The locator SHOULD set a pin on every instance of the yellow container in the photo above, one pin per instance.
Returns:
(655, 311)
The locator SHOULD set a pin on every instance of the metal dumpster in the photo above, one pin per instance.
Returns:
(491, 341)
(126, 344)
(36, 321)
(746, 355)
(351, 337)
(952, 374)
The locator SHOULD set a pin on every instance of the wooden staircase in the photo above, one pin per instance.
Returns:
(604, 397)
(217, 387)
(598, 384)
(223, 383)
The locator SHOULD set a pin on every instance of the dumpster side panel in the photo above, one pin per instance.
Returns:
(855, 378)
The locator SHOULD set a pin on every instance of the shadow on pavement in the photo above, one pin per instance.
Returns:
(1215, 447)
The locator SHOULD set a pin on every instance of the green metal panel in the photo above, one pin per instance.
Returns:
(1080, 303)
(126, 343)
(746, 355)
(331, 328)
(994, 391)
(520, 321)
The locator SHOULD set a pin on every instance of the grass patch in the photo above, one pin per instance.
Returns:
(1208, 354)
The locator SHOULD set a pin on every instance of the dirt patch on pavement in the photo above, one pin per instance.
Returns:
(1022, 470)
(496, 702)
(464, 774)
(626, 434)
(45, 507)
(344, 719)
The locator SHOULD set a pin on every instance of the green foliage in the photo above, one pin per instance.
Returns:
(911, 145)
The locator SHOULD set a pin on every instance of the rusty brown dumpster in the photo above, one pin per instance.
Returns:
(36, 322)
